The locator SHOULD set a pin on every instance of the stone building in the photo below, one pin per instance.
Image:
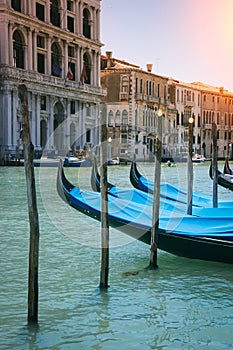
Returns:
(133, 99)
(53, 47)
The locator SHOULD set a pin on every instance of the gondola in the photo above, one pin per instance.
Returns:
(198, 238)
(227, 169)
(172, 192)
(131, 194)
(224, 180)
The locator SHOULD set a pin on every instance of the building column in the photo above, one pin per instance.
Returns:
(34, 51)
(65, 59)
(30, 48)
(50, 129)
(9, 39)
(38, 98)
(48, 66)
(67, 126)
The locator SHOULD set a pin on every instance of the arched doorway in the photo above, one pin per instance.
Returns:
(58, 127)
(43, 133)
(72, 135)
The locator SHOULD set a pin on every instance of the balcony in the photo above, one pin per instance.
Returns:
(20, 75)
(124, 95)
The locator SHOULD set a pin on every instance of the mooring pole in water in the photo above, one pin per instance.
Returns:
(156, 201)
(104, 200)
(32, 210)
(190, 167)
(215, 166)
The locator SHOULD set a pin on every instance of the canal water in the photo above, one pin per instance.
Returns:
(185, 304)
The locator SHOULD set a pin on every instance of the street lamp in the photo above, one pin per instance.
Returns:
(109, 148)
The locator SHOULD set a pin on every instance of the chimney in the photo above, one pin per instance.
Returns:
(149, 67)
(109, 58)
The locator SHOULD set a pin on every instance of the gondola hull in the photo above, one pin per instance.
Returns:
(224, 180)
(213, 248)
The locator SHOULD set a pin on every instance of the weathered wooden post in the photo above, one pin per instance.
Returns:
(190, 167)
(104, 201)
(215, 166)
(156, 201)
(32, 210)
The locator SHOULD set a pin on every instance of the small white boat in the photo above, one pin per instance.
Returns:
(198, 158)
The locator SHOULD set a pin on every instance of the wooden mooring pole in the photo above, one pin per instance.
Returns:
(215, 165)
(104, 201)
(190, 167)
(156, 201)
(32, 210)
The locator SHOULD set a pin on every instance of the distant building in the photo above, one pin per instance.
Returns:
(133, 99)
(53, 47)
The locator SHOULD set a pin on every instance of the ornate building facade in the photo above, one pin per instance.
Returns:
(134, 97)
(53, 47)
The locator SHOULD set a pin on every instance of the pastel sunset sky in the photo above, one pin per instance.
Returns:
(189, 40)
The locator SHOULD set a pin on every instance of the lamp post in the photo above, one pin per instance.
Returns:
(109, 149)
(156, 201)
(190, 167)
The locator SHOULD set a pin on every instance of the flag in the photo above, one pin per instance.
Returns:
(56, 70)
(69, 74)
(84, 76)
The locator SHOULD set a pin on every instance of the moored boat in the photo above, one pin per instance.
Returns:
(172, 192)
(227, 169)
(224, 180)
(206, 238)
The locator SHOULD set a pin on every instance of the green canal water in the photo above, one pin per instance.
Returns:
(185, 304)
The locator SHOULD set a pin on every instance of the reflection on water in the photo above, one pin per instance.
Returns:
(186, 304)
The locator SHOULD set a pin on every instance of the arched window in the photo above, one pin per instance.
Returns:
(56, 60)
(86, 24)
(86, 71)
(55, 13)
(118, 118)
(125, 117)
(125, 83)
(110, 118)
(18, 49)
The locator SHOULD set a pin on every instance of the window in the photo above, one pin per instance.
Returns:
(70, 51)
(141, 88)
(124, 139)
(40, 63)
(86, 25)
(40, 41)
(43, 103)
(136, 86)
(16, 5)
(70, 5)
(70, 24)
(86, 70)
(125, 84)
(54, 13)
(72, 107)
(18, 50)
(56, 60)
(204, 98)
(40, 11)
(110, 118)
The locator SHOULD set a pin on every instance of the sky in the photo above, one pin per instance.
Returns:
(188, 40)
